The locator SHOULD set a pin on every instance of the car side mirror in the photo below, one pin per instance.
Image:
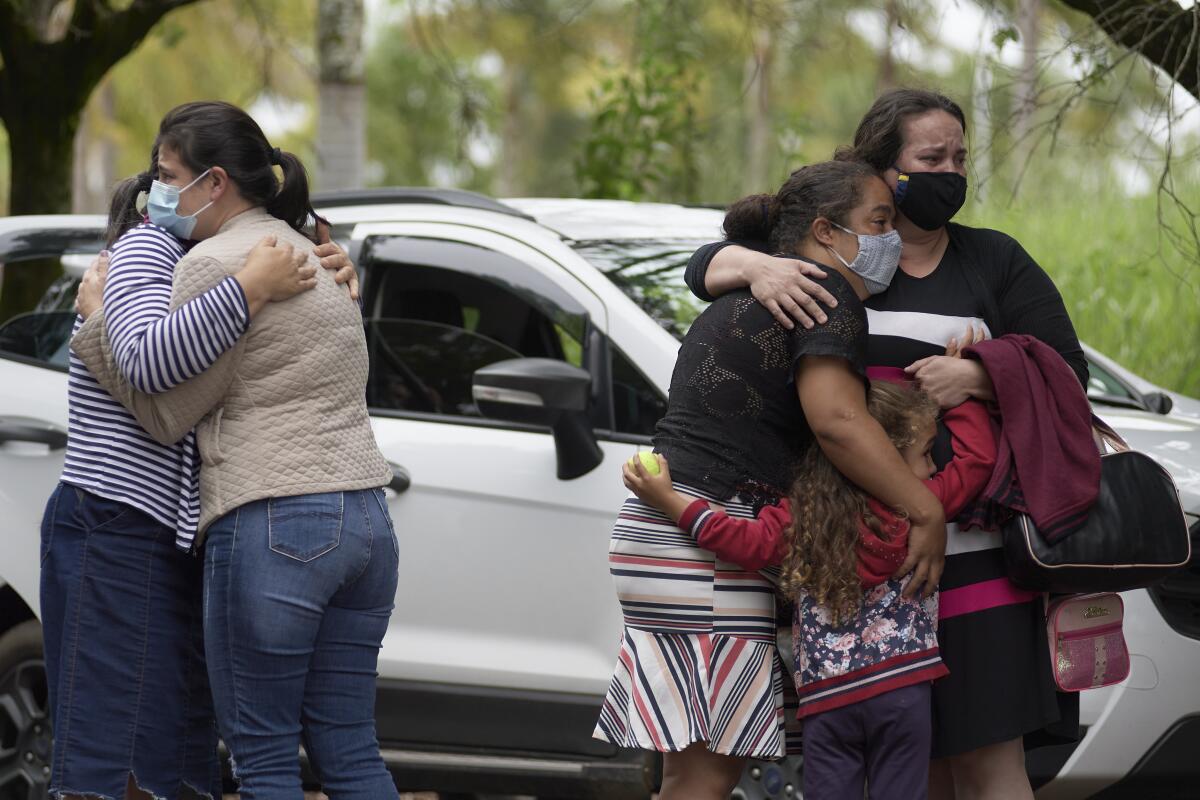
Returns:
(543, 391)
(1158, 402)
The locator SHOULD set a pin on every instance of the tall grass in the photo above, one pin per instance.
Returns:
(1130, 294)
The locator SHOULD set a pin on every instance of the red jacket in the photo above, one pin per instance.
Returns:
(757, 543)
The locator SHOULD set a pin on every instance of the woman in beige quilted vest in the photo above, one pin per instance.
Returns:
(300, 555)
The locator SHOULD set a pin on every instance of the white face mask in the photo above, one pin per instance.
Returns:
(877, 259)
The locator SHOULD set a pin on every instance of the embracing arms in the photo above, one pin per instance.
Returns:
(1021, 293)
(170, 415)
(782, 285)
(835, 406)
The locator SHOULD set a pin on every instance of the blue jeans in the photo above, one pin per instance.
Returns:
(121, 623)
(297, 596)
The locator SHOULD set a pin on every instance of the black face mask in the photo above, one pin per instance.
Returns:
(930, 199)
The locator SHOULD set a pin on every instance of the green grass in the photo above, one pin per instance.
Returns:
(1130, 294)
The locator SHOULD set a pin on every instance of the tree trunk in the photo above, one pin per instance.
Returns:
(512, 130)
(52, 55)
(981, 113)
(1028, 13)
(93, 173)
(41, 184)
(341, 121)
(758, 114)
(887, 62)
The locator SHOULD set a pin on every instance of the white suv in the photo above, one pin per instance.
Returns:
(519, 351)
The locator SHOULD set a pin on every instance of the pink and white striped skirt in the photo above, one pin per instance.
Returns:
(697, 659)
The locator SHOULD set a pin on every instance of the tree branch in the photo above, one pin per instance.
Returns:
(107, 36)
(1150, 27)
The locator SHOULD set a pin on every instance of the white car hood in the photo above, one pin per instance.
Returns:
(1172, 440)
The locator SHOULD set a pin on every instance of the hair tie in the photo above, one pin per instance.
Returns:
(276, 156)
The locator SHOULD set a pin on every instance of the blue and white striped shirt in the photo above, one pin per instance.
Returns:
(108, 452)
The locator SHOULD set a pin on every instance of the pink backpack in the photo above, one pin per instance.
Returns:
(1087, 645)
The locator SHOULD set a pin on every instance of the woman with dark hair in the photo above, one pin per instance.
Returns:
(954, 283)
(120, 588)
(697, 676)
(300, 559)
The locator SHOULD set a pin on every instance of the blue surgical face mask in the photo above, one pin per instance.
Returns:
(877, 259)
(163, 203)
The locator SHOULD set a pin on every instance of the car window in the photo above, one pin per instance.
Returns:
(637, 404)
(39, 331)
(1103, 386)
(436, 311)
(38, 337)
(649, 272)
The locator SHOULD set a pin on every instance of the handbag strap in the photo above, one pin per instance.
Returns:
(1106, 436)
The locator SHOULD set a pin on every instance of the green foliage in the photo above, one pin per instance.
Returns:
(643, 141)
(216, 50)
(413, 119)
(1130, 296)
(1008, 33)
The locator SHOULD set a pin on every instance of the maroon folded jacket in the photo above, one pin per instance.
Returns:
(1048, 465)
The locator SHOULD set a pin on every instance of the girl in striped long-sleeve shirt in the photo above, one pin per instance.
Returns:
(120, 592)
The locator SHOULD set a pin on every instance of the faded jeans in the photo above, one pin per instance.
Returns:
(297, 595)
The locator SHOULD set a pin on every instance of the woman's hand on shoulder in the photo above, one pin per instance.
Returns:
(785, 287)
(90, 294)
(333, 257)
(274, 272)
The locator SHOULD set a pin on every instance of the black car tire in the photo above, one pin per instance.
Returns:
(25, 733)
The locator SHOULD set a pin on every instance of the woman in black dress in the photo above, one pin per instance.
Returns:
(954, 282)
(697, 677)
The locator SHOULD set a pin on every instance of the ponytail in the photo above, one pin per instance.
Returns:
(751, 218)
(123, 213)
(783, 220)
(291, 203)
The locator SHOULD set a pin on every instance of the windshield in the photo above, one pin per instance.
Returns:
(650, 272)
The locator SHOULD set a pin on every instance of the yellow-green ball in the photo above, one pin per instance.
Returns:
(649, 461)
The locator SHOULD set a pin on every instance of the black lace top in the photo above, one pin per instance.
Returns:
(734, 423)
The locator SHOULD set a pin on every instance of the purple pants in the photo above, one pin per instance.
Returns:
(881, 744)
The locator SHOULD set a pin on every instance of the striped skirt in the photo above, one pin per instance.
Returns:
(697, 659)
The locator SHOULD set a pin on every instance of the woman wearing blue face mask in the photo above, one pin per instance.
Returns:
(121, 588)
(697, 676)
(955, 285)
(300, 557)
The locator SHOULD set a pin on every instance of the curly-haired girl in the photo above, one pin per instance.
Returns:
(865, 654)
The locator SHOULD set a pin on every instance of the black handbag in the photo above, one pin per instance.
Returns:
(1135, 534)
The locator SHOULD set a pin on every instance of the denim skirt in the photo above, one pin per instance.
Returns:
(122, 623)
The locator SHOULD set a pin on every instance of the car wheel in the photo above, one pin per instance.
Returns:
(770, 780)
(25, 735)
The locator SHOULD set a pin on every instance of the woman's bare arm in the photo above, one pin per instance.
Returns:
(835, 406)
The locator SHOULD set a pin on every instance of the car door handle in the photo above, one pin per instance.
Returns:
(401, 480)
(52, 437)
